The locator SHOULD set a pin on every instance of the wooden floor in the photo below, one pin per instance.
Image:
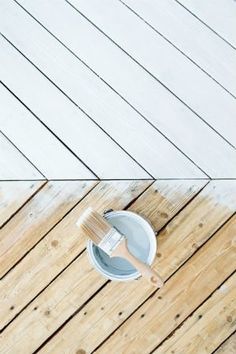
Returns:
(120, 104)
(53, 301)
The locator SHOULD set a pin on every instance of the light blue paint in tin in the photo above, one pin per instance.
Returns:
(141, 241)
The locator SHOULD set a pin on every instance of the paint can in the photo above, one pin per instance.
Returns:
(141, 240)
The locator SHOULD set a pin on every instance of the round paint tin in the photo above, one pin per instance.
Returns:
(141, 240)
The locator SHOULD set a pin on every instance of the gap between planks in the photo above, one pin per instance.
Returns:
(11, 204)
(130, 190)
(180, 312)
(108, 304)
(109, 203)
(189, 184)
(190, 328)
(204, 167)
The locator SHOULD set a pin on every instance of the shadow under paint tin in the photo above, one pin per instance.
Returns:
(141, 240)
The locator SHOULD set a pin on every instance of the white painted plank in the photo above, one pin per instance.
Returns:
(13, 165)
(117, 118)
(46, 152)
(167, 113)
(217, 14)
(191, 36)
(165, 62)
(13, 194)
(89, 142)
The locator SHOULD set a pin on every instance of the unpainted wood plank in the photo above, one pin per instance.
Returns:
(104, 106)
(166, 63)
(13, 165)
(50, 156)
(185, 291)
(60, 246)
(217, 14)
(164, 199)
(71, 125)
(191, 37)
(13, 194)
(117, 301)
(229, 347)
(80, 281)
(209, 325)
(37, 217)
(141, 90)
(46, 313)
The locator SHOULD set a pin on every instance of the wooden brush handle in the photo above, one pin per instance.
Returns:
(146, 271)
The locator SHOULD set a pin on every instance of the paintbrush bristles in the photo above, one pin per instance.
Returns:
(94, 225)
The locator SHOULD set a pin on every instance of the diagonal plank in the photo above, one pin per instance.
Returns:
(179, 27)
(170, 67)
(137, 87)
(164, 199)
(117, 301)
(36, 142)
(218, 15)
(144, 143)
(13, 165)
(81, 281)
(60, 246)
(64, 118)
(37, 217)
(229, 347)
(208, 327)
(163, 312)
(13, 195)
(48, 311)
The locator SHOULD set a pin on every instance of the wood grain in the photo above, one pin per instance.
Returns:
(164, 199)
(117, 301)
(37, 217)
(77, 279)
(60, 246)
(13, 194)
(48, 311)
(157, 318)
(112, 96)
(229, 347)
(209, 326)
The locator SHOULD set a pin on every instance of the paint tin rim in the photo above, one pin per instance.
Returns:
(151, 235)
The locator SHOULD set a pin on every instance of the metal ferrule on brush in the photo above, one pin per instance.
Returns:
(111, 241)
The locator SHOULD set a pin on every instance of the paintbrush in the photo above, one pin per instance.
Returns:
(112, 242)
